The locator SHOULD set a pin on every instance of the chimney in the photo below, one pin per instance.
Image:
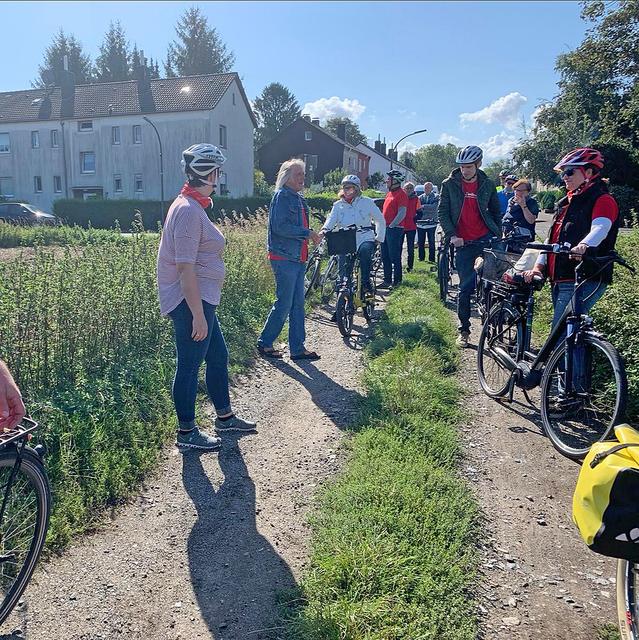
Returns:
(378, 146)
(66, 80)
(341, 131)
(382, 148)
(316, 122)
(306, 117)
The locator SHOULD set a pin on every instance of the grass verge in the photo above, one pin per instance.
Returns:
(393, 552)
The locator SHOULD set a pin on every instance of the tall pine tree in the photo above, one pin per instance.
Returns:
(275, 108)
(79, 62)
(112, 65)
(198, 48)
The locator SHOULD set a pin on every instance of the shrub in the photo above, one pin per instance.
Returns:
(547, 199)
(333, 178)
(628, 200)
(261, 187)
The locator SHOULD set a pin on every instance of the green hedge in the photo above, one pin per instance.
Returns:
(103, 214)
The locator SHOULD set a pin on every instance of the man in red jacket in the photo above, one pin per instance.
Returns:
(395, 206)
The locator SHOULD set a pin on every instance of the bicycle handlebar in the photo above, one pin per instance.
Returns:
(559, 249)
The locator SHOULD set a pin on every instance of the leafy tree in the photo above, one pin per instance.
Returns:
(112, 64)
(79, 62)
(375, 180)
(198, 49)
(260, 185)
(353, 135)
(434, 162)
(275, 108)
(333, 179)
(495, 168)
(408, 158)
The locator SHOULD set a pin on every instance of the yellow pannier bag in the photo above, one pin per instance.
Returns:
(605, 506)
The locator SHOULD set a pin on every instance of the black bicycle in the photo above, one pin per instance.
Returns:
(445, 266)
(583, 385)
(24, 512)
(315, 278)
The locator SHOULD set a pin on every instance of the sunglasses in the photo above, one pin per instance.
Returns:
(568, 172)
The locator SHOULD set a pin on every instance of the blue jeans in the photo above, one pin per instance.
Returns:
(365, 252)
(289, 303)
(421, 243)
(190, 355)
(588, 294)
(465, 261)
(392, 254)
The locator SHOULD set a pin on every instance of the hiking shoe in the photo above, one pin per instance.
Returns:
(234, 424)
(195, 439)
(462, 339)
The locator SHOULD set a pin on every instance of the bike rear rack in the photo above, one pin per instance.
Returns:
(18, 433)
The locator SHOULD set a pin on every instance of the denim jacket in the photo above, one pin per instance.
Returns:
(286, 230)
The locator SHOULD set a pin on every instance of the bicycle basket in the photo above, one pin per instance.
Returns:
(497, 262)
(341, 242)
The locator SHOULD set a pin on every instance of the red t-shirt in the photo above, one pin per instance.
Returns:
(471, 225)
(411, 211)
(394, 200)
(304, 254)
(605, 207)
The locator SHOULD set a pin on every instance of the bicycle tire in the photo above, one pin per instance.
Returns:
(494, 378)
(344, 313)
(627, 604)
(311, 275)
(564, 418)
(33, 473)
(328, 279)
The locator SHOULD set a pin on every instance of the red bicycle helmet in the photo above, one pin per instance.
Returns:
(581, 157)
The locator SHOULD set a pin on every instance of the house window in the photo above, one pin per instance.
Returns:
(57, 184)
(54, 139)
(137, 134)
(85, 125)
(222, 136)
(6, 186)
(117, 184)
(138, 183)
(87, 162)
(35, 139)
(308, 136)
(37, 184)
(5, 144)
(115, 135)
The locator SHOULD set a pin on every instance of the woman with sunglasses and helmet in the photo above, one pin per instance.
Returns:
(586, 218)
(190, 274)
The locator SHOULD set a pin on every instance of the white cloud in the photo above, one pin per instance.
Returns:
(504, 111)
(407, 145)
(498, 147)
(333, 107)
(446, 138)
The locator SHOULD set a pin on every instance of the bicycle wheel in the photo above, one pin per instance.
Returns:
(310, 276)
(501, 331)
(328, 280)
(344, 313)
(24, 525)
(575, 420)
(627, 604)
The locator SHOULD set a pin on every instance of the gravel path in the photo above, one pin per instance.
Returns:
(206, 546)
(539, 580)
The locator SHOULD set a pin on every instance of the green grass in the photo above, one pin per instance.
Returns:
(81, 330)
(393, 553)
(12, 235)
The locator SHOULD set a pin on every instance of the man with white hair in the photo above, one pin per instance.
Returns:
(427, 220)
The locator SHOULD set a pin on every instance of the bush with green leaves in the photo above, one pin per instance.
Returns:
(332, 180)
(12, 235)
(84, 338)
(547, 199)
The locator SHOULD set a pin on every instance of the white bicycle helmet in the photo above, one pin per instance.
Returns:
(469, 155)
(352, 179)
(200, 159)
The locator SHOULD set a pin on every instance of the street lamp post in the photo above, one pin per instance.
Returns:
(414, 133)
(161, 169)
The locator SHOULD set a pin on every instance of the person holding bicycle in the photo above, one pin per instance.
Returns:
(470, 215)
(11, 406)
(190, 274)
(354, 209)
(587, 218)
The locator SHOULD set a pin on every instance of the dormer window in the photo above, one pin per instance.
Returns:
(85, 125)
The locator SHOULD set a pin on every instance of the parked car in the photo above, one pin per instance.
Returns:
(21, 213)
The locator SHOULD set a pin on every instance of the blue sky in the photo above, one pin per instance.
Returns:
(466, 71)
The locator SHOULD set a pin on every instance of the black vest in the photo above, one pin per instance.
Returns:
(576, 226)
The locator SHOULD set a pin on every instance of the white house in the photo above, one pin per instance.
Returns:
(97, 140)
(381, 163)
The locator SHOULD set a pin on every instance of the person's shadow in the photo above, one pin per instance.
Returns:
(235, 572)
(340, 404)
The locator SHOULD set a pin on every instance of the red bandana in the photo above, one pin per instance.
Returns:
(190, 192)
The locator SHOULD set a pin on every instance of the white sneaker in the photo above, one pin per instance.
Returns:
(462, 339)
